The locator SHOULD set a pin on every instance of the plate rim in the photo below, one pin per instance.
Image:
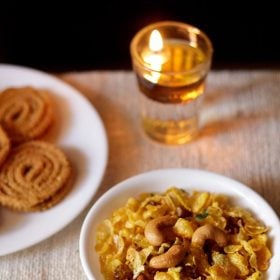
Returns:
(124, 184)
(102, 166)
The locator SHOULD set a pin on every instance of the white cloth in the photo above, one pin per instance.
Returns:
(240, 139)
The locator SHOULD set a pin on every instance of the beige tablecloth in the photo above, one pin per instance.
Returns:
(240, 139)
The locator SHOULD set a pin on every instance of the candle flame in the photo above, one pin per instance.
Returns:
(156, 42)
(154, 56)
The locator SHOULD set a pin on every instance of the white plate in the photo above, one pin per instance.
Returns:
(159, 181)
(80, 133)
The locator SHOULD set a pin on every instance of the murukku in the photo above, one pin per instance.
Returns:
(4, 145)
(55, 198)
(35, 177)
(25, 113)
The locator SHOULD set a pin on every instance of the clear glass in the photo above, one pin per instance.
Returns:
(171, 92)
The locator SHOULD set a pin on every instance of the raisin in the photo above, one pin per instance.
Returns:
(123, 272)
(232, 226)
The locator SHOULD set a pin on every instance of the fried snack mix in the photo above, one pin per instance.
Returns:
(198, 235)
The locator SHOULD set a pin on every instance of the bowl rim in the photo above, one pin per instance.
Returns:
(123, 186)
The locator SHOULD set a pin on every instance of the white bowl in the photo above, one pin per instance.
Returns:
(159, 181)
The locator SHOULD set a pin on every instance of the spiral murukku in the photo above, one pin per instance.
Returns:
(36, 176)
(4, 145)
(25, 113)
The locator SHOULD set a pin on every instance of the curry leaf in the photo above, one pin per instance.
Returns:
(200, 217)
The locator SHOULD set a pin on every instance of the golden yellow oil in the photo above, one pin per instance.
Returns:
(179, 83)
(171, 132)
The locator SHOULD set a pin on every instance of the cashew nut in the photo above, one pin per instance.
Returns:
(153, 230)
(208, 232)
(169, 259)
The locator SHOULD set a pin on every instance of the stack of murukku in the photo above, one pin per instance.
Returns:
(34, 174)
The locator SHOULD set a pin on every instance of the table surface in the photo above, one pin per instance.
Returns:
(239, 139)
